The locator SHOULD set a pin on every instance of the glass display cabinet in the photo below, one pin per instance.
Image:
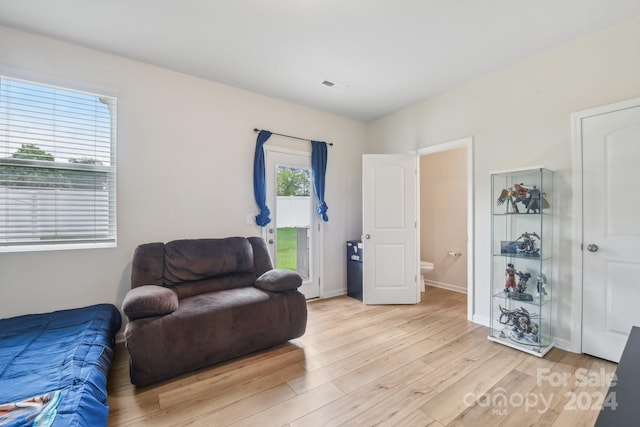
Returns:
(522, 259)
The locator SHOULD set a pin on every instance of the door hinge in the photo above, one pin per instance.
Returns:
(581, 247)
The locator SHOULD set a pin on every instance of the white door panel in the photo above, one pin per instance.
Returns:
(611, 265)
(390, 258)
(387, 180)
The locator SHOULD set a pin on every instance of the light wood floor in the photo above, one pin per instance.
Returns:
(375, 365)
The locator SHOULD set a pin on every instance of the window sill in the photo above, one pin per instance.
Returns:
(57, 247)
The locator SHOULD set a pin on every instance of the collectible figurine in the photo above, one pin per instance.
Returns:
(528, 245)
(540, 282)
(508, 197)
(523, 246)
(510, 283)
(531, 198)
(522, 196)
(534, 200)
(522, 328)
(521, 287)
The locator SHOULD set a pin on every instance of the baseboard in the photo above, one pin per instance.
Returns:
(481, 320)
(563, 344)
(334, 293)
(447, 286)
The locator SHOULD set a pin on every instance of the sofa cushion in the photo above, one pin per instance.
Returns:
(148, 301)
(279, 280)
(198, 259)
(220, 283)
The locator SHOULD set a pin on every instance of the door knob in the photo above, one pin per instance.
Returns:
(271, 241)
(592, 247)
(367, 236)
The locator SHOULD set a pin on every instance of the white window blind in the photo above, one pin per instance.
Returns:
(57, 167)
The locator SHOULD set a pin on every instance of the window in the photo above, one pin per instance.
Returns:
(57, 167)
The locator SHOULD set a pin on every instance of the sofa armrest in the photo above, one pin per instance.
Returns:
(148, 301)
(279, 280)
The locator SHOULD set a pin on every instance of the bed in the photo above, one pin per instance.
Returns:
(54, 367)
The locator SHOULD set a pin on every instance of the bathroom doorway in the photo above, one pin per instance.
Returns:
(446, 219)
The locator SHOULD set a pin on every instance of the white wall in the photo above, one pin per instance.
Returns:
(185, 164)
(519, 117)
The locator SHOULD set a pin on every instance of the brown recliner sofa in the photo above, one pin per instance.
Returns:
(197, 302)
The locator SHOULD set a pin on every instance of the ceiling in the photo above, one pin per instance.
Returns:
(382, 55)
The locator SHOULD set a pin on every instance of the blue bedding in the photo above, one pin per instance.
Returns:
(60, 359)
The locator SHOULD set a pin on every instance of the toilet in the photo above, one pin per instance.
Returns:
(425, 267)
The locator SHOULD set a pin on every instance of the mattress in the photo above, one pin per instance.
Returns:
(54, 367)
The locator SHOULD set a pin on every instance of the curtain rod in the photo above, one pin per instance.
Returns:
(288, 136)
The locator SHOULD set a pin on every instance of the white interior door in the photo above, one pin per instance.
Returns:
(390, 256)
(611, 231)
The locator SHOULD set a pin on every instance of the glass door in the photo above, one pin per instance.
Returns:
(290, 235)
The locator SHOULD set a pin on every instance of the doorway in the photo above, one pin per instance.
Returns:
(454, 247)
(293, 236)
(443, 219)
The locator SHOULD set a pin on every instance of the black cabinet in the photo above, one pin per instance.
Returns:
(354, 269)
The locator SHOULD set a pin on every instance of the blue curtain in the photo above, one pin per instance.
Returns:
(259, 180)
(319, 170)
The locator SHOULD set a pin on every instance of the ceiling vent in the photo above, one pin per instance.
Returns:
(333, 85)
